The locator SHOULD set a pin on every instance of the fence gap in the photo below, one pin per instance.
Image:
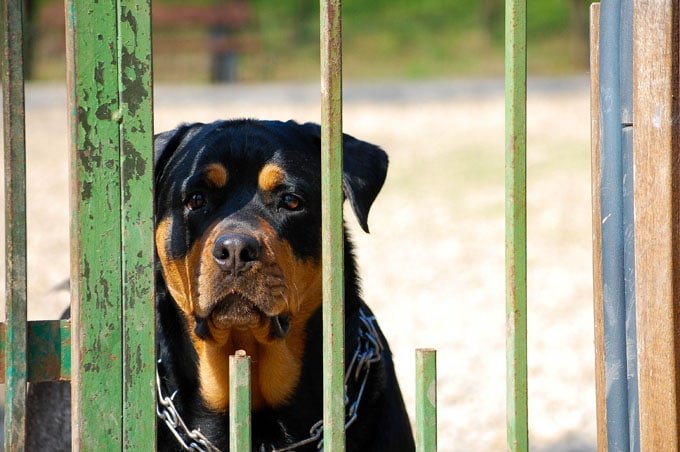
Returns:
(15, 225)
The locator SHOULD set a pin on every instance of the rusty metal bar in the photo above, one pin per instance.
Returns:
(15, 225)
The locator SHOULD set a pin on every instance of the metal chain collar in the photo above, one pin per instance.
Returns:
(188, 439)
(368, 351)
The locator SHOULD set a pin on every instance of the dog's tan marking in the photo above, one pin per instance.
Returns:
(270, 177)
(276, 363)
(216, 175)
(180, 273)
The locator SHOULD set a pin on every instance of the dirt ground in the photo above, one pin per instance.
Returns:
(432, 267)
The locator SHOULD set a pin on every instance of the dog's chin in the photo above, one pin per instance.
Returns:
(239, 312)
(235, 310)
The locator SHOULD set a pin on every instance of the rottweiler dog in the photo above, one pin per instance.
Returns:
(238, 238)
(238, 245)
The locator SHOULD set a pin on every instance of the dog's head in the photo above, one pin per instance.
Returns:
(238, 220)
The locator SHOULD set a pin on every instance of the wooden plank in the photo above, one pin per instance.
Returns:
(598, 288)
(657, 220)
(239, 408)
(515, 225)
(136, 182)
(331, 220)
(426, 400)
(15, 224)
(49, 351)
(95, 115)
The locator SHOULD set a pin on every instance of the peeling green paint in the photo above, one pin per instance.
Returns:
(15, 231)
(136, 182)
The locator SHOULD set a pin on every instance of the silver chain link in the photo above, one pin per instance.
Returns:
(188, 439)
(369, 351)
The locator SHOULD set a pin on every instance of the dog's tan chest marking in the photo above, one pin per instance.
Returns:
(276, 363)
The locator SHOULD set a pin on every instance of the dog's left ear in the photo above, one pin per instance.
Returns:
(364, 168)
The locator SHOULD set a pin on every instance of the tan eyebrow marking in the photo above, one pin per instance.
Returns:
(270, 176)
(216, 175)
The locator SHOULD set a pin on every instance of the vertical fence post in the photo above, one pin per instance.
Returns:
(95, 225)
(515, 223)
(332, 239)
(598, 286)
(657, 219)
(110, 98)
(136, 182)
(239, 402)
(612, 219)
(426, 400)
(15, 225)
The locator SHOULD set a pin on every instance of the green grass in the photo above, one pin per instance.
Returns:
(396, 39)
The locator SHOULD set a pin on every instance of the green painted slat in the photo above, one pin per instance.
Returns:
(49, 350)
(331, 220)
(136, 144)
(96, 225)
(515, 224)
(426, 400)
(239, 402)
(15, 224)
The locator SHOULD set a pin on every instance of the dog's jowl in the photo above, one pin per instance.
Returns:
(238, 244)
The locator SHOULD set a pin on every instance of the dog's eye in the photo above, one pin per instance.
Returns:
(195, 201)
(292, 202)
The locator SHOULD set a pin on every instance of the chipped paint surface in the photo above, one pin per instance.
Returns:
(15, 231)
(49, 350)
(136, 137)
(109, 77)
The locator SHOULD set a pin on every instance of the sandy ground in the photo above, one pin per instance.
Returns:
(433, 264)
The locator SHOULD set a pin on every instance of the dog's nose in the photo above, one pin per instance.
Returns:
(236, 252)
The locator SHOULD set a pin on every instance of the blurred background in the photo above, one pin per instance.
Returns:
(261, 40)
(424, 80)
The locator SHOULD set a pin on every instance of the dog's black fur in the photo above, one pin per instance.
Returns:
(223, 224)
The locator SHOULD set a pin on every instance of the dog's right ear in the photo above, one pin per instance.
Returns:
(166, 143)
